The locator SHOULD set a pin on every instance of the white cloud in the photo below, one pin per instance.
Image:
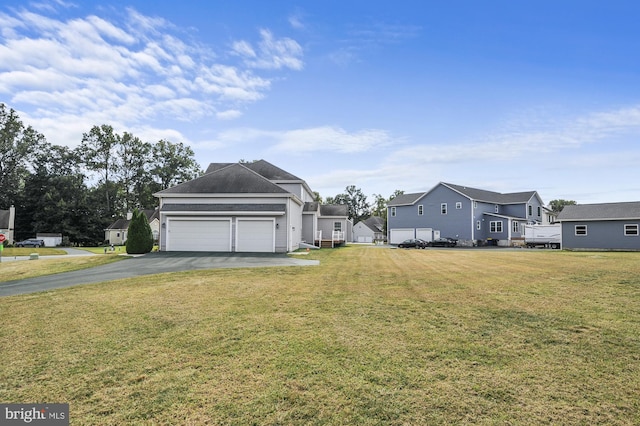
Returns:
(229, 114)
(125, 71)
(332, 139)
(272, 53)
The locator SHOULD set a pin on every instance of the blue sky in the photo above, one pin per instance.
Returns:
(500, 95)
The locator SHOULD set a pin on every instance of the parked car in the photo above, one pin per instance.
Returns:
(413, 243)
(31, 242)
(443, 242)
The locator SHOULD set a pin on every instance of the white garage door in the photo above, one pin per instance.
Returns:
(255, 235)
(399, 235)
(199, 235)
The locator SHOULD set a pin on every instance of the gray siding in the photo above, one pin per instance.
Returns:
(600, 235)
(455, 223)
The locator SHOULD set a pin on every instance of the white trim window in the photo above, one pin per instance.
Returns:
(631, 230)
(516, 226)
(393, 211)
(497, 208)
(580, 230)
(530, 207)
(478, 225)
(539, 211)
(495, 226)
(420, 210)
(443, 208)
(475, 204)
(458, 205)
(337, 226)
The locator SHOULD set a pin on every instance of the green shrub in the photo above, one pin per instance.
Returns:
(140, 237)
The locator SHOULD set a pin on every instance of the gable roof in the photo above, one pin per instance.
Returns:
(375, 223)
(262, 167)
(334, 210)
(604, 211)
(406, 199)
(233, 178)
(490, 196)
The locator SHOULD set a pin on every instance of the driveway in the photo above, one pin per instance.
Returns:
(151, 263)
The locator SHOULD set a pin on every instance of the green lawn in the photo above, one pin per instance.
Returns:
(372, 336)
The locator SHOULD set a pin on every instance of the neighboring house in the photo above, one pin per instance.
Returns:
(247, 207)
(116, 233)
(369, 230)
(7, 224)
(473, 216)
(608, 226)
(50, 240)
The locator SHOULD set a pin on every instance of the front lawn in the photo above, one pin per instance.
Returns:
(372, 336)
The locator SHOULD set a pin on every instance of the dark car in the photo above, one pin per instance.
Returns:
(31, 242)
(443, 242)
(413, 243)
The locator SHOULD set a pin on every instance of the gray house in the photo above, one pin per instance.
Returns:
(247, 207)
(369, 230)
(473, 216)
(607, 226)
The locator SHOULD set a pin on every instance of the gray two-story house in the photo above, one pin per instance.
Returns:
(473, 216)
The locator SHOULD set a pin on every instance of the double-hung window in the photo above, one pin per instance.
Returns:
(420, 210)
(443, 208)
(516, 226)
(393, 211)
(495, 226)
(581, 230)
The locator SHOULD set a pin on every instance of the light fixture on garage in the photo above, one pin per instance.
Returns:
(277, 225)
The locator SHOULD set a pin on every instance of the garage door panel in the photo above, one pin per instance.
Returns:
(399, 235)
(255, 235)
(199, 235)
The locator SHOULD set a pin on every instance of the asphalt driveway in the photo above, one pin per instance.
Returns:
(151, 263)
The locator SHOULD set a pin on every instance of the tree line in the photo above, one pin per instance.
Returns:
(79, 192)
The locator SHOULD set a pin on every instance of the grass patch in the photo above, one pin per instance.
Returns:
(372, 336)
(20, 270)
(26, 251)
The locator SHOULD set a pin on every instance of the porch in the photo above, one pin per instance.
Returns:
(336, 238)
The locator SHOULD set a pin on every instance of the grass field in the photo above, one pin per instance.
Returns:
(372, 336)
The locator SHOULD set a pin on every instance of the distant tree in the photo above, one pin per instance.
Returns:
(317, 197)
(173, 163)
(139, 236)
(356, 201)
(54, 196)
(133, 161)
(380, 203)
(17, 147)
(557, 205)
(98, 149)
